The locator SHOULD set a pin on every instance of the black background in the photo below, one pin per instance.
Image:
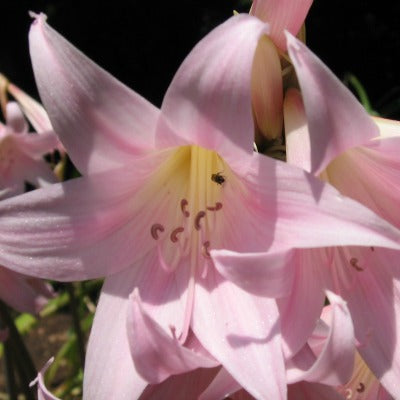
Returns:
(142, 43)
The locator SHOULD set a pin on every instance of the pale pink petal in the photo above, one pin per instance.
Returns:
(17, 292)
(209, 102)
(43, 392)
(15, 118)
(334, 365)
(157, 353)
(312, 391)
(281, 15)
(109, 369)
(375, 176)
(221, 386)
(181, 387)
(163, 298)
(33, 110)
(101, 123)
(307, 294)
(298, 147)
(36, 172)
(263, 274)
(83, 228)
(387, 127)
(372, 291)
(266, 89)
(299, 211)
(37, 145)
(336, 120)
(242, 332)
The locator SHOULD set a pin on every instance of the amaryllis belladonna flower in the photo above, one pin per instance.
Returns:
(162, 189)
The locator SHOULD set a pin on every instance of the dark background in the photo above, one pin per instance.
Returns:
(142, 43)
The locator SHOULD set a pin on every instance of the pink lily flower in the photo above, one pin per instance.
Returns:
(162, 193)
(21, 154)
(20, 162)
(329, 135)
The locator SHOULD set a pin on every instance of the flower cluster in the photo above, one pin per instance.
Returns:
(218, 259)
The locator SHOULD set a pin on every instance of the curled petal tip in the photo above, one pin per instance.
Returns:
(37, 16)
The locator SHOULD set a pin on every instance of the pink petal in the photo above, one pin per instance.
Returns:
(109, 369)
(336, 120)
(158, 355)
(82, 228)
(33, 110)
(101, 123)
(263, 274)
(334, 364)
(307, 294)
(37, 145)
(163, 299)
(281, 15)
(15, 118)
(266, 89)
(298, 147)
(236, 327)
(208, 102)
(373, 296)
(43, 392)
(387, 127)
(181, 387)
(16, 291)
(279, 194)
(375, 176)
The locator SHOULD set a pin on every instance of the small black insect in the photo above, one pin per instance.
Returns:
(218, 178)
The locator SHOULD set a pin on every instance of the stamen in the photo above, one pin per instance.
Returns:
(199, 216)
(155, 229)
(354, 264)
(184, 204)
(163, 264)
(174, 233)
(360, 388)
(205, 249)
(372, 248)
(348, 393)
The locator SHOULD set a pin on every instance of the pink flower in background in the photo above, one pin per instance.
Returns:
(21, 154)
(162, 193)
(21, 162)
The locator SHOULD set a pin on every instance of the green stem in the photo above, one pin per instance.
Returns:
(77, 323)
(23, 361)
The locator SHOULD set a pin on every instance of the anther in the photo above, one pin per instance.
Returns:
(174, 234)
(372, 248)
(217, 207)
(205, 249)
(184, 203)
(354, 264)
(155, 229)
(361, 388)
(199, 216)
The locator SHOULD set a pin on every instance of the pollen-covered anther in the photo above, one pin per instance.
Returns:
(361, 387)
(217, 207)
(155, 229)
(184, 204)
(205, 249)
(354, 264)
(199, 216)
(174, 234)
